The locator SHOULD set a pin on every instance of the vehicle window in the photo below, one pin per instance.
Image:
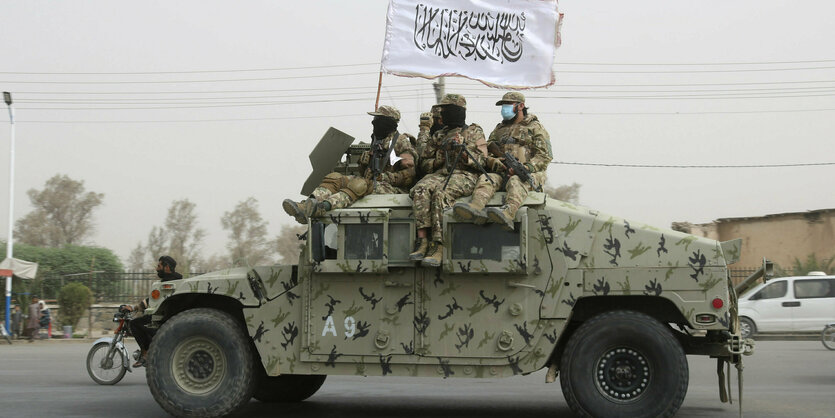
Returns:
(399, 242)
(817, 288)
(363, 241)
(774, 290)
(331, 241)
(479, 242)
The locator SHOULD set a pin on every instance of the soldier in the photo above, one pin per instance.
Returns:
(430, 122)
(452, 158)
(520, 134)
(381, 172)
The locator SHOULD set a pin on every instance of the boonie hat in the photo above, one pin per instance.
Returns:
(453, 99)
(388, 111)
(511, 97)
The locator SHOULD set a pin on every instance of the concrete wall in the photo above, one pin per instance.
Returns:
(781, 238)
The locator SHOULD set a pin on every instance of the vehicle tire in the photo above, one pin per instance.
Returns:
(828, 337)
(200, 363)
(287, 387)
(747, 328)
(103, 370)
(623, 363)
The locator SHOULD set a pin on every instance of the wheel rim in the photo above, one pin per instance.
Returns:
(105, 367)
(199, 365)
(622, 374)
(828, 338)
(744, 329)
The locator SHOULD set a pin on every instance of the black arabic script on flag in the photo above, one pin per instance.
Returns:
(469, 35)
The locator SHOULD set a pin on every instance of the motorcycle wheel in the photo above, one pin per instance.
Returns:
(828, 337)
(104, 370)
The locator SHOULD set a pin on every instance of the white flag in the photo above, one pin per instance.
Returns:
(502, 43)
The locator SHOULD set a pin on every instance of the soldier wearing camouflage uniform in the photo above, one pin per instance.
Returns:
(438, 160)
(523, 136)
(339, 190)
(430, 122)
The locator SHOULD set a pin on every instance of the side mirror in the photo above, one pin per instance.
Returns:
(317, 241)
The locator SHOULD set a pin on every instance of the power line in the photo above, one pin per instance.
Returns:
(239, 70)
(693, 166)
(188, 81)
(694, 71)
(472, 111)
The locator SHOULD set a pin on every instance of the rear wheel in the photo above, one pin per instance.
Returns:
(623, 363)
(828, 336)
(747, 329)
(200, 364)
(287, 388)
(105, 367)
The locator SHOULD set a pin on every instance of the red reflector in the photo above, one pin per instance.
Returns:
(155, 295)
(167, 286)
(717, 303)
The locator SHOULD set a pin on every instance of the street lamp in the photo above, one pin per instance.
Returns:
(7, 97)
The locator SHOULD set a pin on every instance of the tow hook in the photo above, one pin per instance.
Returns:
(740, 346)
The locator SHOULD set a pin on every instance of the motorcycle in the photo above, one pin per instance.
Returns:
(828, 336)
(107, 360)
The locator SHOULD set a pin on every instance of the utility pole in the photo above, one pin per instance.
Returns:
(440, 89)
(7, 97)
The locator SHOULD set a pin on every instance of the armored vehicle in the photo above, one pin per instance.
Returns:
(610, 306)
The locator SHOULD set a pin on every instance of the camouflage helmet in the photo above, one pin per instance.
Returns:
(388, 111)
(511, 97)
(453, 99)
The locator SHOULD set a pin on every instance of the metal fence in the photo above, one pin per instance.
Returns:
(124, 287)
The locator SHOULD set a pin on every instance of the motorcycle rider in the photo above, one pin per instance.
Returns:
(139, 326)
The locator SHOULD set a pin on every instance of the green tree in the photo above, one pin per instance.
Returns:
(248, 245)
(184, 236)
(801, 268)
(287, 243)
(74, 299)
(63, 214)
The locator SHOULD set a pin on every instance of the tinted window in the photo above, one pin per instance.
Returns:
(363, 241)
(817, 288)
(479, 242)
(774, 290)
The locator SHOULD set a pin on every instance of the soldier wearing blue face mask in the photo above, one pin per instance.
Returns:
(520, 134)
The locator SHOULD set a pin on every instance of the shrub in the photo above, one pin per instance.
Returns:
(74, 299)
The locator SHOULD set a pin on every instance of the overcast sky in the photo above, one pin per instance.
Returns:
(759, 90)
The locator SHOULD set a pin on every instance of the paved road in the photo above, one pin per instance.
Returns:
(48, 379)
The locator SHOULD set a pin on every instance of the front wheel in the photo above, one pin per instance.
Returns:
(200, 364)
(828, 336)
(106, 366)
(623, 363)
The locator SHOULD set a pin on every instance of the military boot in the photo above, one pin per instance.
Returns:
(503, 215)
(435, 256)
(300, 210)
(472, 211)
(421, 246)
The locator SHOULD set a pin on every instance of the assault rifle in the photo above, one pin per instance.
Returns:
(462, 149)
(379, 159)
(512, 163)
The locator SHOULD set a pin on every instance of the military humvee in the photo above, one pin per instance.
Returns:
(610, 306)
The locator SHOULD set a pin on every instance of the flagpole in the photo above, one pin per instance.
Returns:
(379, 86)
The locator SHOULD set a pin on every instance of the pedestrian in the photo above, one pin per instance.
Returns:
(46, 318)
(16, 317)
(33, 322)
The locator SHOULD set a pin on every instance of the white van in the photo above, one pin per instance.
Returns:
(788, 304)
